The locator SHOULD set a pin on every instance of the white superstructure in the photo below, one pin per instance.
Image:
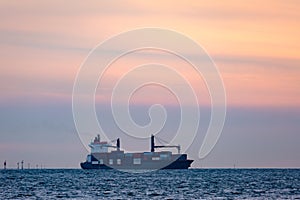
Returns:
(99, 147)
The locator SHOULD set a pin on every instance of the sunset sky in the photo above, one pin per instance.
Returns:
(255, 45)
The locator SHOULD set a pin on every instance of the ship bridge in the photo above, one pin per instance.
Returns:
(102, 147)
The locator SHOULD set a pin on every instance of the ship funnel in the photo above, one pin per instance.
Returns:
(152, 143)
(118, 144)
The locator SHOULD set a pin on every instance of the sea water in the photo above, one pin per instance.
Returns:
(163, 184)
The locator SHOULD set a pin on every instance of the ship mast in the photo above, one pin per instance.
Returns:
(153, 146)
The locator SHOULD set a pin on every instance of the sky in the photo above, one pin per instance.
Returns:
(254, 44)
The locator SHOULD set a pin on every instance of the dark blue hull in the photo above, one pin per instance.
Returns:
(179, 164)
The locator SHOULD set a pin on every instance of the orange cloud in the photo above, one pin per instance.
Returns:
(255, 44)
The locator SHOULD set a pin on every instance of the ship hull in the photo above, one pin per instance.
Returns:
(146, 166)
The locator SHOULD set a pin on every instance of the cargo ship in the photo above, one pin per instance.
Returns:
(101, 158)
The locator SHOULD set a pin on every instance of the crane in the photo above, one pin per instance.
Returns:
(153, 146)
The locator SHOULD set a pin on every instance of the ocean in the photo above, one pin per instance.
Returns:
(163, 184)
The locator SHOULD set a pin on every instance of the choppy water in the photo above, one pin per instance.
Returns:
(165, 184)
